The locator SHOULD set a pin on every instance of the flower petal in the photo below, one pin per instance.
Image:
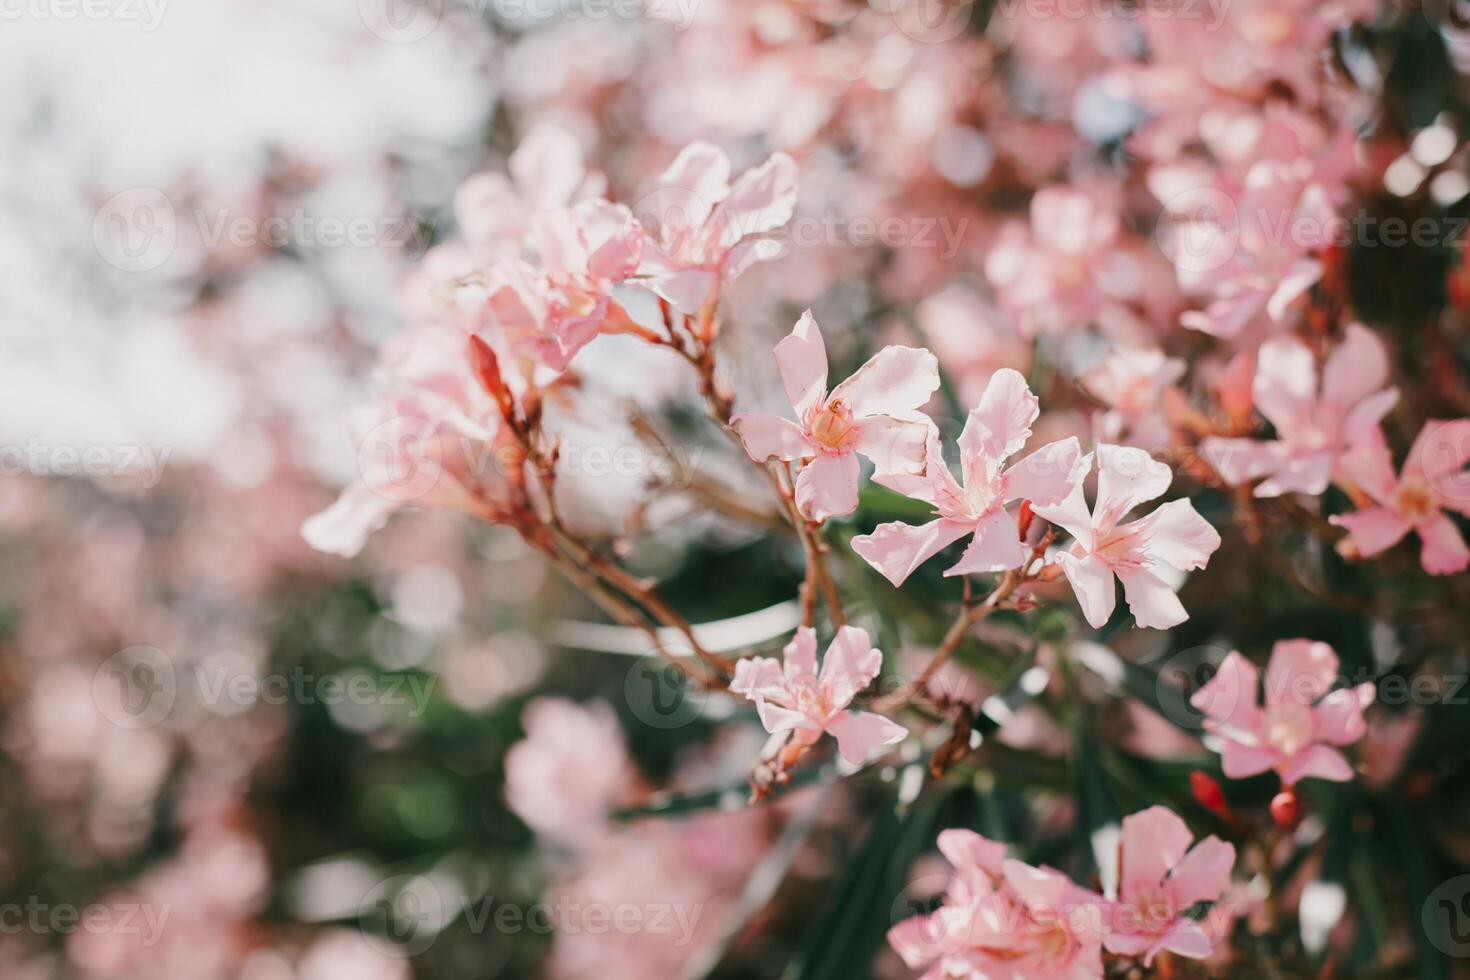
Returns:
(343, 528)
(1285, 385)
(996, 546)
(850, 665)
(1126, 477)
(858, 733)
(767, 436)
(1339, 716)
(1317, 762)
(1300, 672)
(1154, 840)
(1072, 515)
(1203, 875)
(1241, 461)
(828, 486)
(896, 549)
(1184, 938)
(1373, 530)
(1355, 370)
(1092, 581)
(1153, 602)
(801, 357)
(1230, 696)
(1000, 425)
(1176, 534)
(761, 677)
(760, 201)
(896, 446)
(1444, 550)
(800, 656)
(1241, 761)
(1048, 475)
(894, 381)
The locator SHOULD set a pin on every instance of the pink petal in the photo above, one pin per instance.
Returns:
(800, 655)
(995, 548)
(1153, 602)
(1092, 581)
(1184, 938)
(1355, 370)
(1300, 472)
(1299, 672)
(702, 173)
(828, 486)
(777, 719)
(1072, 515)
(896, 446)
(1241, 761)
(1440, 453)
(1285, 388)
(1177, 535)
(858, 733)
(1037, 887)
(687, 289)
(343, 528)
(894, 381)
(921, 939)
(1298, 279)
(802, 358)
(1203, 875)
(1369, 464)
(1241, 461)
(760, 201)
(1154, 840)
(1338, 718)
(966, 849)
(1122, 943)
(1048, 475)
(1127, 477)
(1317, 762)
(1444, 550)
(1000, 425)
(1365, 416)
(850, 665)
(770, 436)
(761, 677)
(1226, 317)
(1230, 696)
(896, 549)
(1373, 530)
(547, 167)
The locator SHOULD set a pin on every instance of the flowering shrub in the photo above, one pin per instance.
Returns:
(908, 488)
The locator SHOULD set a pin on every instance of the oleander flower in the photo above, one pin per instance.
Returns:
(1303, 722)
(1433, 480)
(875, 413)
(1315, 422)
(792, 696)
(1003, 918)
(706, 230)
(1160, 879)
(996, 430)
(1174, 536)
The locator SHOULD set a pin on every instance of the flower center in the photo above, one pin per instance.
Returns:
(809, 699)
(1289, 727)
(833, 425)
(1415, 501)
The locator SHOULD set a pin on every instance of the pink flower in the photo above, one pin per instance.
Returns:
(1131, 383)
(705, 229)
(996, 430)
(1160, 879)
(1314, 424)
(549, 312)
(1303, 718)
(1003, 919)
(1433, 480)
(875, 412)
(569, 771)
(1174, 536)
(794, 697)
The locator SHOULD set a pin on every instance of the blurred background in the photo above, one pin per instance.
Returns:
(223, 755)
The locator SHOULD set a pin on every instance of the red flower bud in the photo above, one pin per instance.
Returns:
(1208, 792)
(1286, 809)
